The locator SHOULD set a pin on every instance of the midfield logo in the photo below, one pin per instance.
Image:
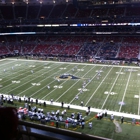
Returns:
(66, 77)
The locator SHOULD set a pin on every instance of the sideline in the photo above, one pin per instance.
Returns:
(76, 63)
(84, 108)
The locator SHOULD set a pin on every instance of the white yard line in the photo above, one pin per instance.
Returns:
(45, 85)
(21, 78)
(85, 86)
(29, 80)
(2, 73)
(48, 84)
(2, 59)
(73, 85)
(7, 75)
(125, 90)
(93, 109)
(98, 87)
(111, 89)
(6, 63)
(136, 116)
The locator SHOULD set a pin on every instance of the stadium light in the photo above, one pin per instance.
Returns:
(40, 2)
(26, 1)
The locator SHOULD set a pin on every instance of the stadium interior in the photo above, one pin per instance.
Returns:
(78, 30)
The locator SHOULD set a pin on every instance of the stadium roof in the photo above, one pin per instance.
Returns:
(92, 2)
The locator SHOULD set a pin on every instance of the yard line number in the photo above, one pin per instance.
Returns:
(111, 93)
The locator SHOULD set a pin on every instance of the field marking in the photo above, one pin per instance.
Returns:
(17, 82)
(85, 86)
(60, 84)
(6, 62)
(73, 84)
(7, 70)
(57, 86)
(2, 59)
(125, 90)
(98, 87)
(77, 63)
(111, 89)
(38, 82)
(28, 81)
(84, 64)
(48, 84)
(17, 75)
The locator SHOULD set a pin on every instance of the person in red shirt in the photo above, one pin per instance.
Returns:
(66, 124)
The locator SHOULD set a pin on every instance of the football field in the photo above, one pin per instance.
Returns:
(114, 88)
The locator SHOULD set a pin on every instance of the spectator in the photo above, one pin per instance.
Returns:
(8, 123)
(62, 104)
(112, 117)
(36, 101)
(42, 120)
(29, 107)
(75, 123)
(51, 101)
(68, 106)
(105, 113)
(83, 124)
(19, 99)
(82, 103)
(98, 116)
(66, 124)
(87, 112)
(89, 108)
(133, 121)
(65, 111)
(90, 125)
(122, 118)
(57, 124)
(44, 104)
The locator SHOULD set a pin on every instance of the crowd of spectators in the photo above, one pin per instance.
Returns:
(72, 46)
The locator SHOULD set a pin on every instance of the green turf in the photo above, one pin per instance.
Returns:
(120, 84)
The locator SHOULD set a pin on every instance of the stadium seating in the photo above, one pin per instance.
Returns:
(3, 50)
(70, 45)
(129, 51)
(103, 47)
